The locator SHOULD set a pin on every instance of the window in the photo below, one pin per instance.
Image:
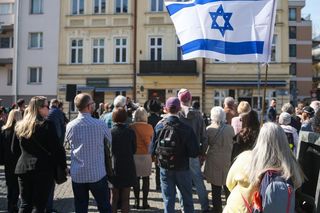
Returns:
(6, 8)
(76, 51)
(6, 42)
(292, 14)
(123, 93)
(98, 51)
(121, 6)
(156, 5)
(99, 6)
(35, 75)
(9, 77)
(36, 6)
(274, 48)
(292, 50)
(35, 40)
(219, 96)
(179, 53)
(121, 50)
(293, 69)
(292, 32)
(77, 7)
(155, 49)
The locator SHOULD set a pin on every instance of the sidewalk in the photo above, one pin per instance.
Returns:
(63, 198)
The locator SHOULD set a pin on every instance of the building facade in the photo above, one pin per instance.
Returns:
(96, 48)
(35, 50)
(6, 50)
(131, 48)
(300, 50)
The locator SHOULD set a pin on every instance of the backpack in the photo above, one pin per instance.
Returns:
(167, 143)
(259, 196)
(290, 140)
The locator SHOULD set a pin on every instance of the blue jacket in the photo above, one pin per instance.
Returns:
(57, 118)
(189, 147)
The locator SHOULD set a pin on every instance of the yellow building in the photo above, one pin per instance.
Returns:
(96, 48)
(130, 47)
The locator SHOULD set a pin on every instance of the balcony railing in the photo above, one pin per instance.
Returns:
(7, 20)
(168, 67)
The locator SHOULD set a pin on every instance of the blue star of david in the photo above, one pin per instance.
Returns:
(225, 16)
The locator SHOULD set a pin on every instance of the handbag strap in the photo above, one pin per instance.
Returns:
(220, 129)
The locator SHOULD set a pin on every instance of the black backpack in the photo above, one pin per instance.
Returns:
(167, 143)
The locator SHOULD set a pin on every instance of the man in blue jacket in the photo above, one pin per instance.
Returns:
(177, 174)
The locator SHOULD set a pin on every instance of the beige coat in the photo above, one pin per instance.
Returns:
(239, 185)
(218, 158)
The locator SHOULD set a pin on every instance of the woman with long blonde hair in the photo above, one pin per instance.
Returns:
(41, 153)
(11, 155)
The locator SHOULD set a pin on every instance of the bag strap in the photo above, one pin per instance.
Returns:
(247, 204)
(220, 129)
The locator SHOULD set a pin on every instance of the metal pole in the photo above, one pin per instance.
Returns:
(264, 94)
(259, 90)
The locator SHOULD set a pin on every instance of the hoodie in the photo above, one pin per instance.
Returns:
(194, 119)
(293, 131)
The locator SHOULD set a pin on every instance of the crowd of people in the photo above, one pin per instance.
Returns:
(253, 164)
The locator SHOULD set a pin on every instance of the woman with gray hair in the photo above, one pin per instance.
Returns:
(220, 140)
(291, 133)
(271, 155)
(142, 158)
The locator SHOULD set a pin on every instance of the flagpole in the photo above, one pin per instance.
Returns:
(264, 94)
(259, 90)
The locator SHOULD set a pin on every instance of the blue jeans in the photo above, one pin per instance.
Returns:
(100, 192)
(169, 181)
(197, 179)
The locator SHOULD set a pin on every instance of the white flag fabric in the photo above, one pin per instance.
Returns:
(227, 30)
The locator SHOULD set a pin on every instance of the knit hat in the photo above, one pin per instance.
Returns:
(184, 95)
(173, 102)
(284, 118)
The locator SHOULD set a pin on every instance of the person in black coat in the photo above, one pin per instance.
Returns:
(41, 153)
(123, 148)
(247, 136)
(11, 154)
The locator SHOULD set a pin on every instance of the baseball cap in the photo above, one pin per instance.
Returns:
(184, 95)
(173, 102)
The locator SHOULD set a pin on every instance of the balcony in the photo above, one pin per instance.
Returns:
(6, 55)
(168, 67)
(7, 21)
(297, 3)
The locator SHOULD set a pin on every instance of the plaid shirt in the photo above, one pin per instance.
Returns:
(85, 136)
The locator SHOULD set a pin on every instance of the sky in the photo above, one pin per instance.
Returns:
(313, 7)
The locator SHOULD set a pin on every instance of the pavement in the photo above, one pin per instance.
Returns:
(63, 198)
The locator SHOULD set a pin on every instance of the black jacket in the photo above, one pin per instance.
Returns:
(190, 147)
(123, 148)
(34, 158)
(11, 148)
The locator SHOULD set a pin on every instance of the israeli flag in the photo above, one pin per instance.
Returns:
(227, 30)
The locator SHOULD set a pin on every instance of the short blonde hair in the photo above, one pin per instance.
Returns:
(243, 107)
(140, 115)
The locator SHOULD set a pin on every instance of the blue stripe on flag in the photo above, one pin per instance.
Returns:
(230, 48)
(174, 8)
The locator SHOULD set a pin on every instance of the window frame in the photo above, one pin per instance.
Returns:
(292, 35)
(293, 69)
(33, 12)
(156, 48)
(121, 6)
(9, 77)
(39, 40)
(295, 50)
(99, 48)
(179, 50)
(274, 54)
(38, 75)
(223, 93)
(99, 7)
(78, 11)
(121, 47)
(10, 42)
(76, 48)
(157, 3)
(10, 8)
(294, 14)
